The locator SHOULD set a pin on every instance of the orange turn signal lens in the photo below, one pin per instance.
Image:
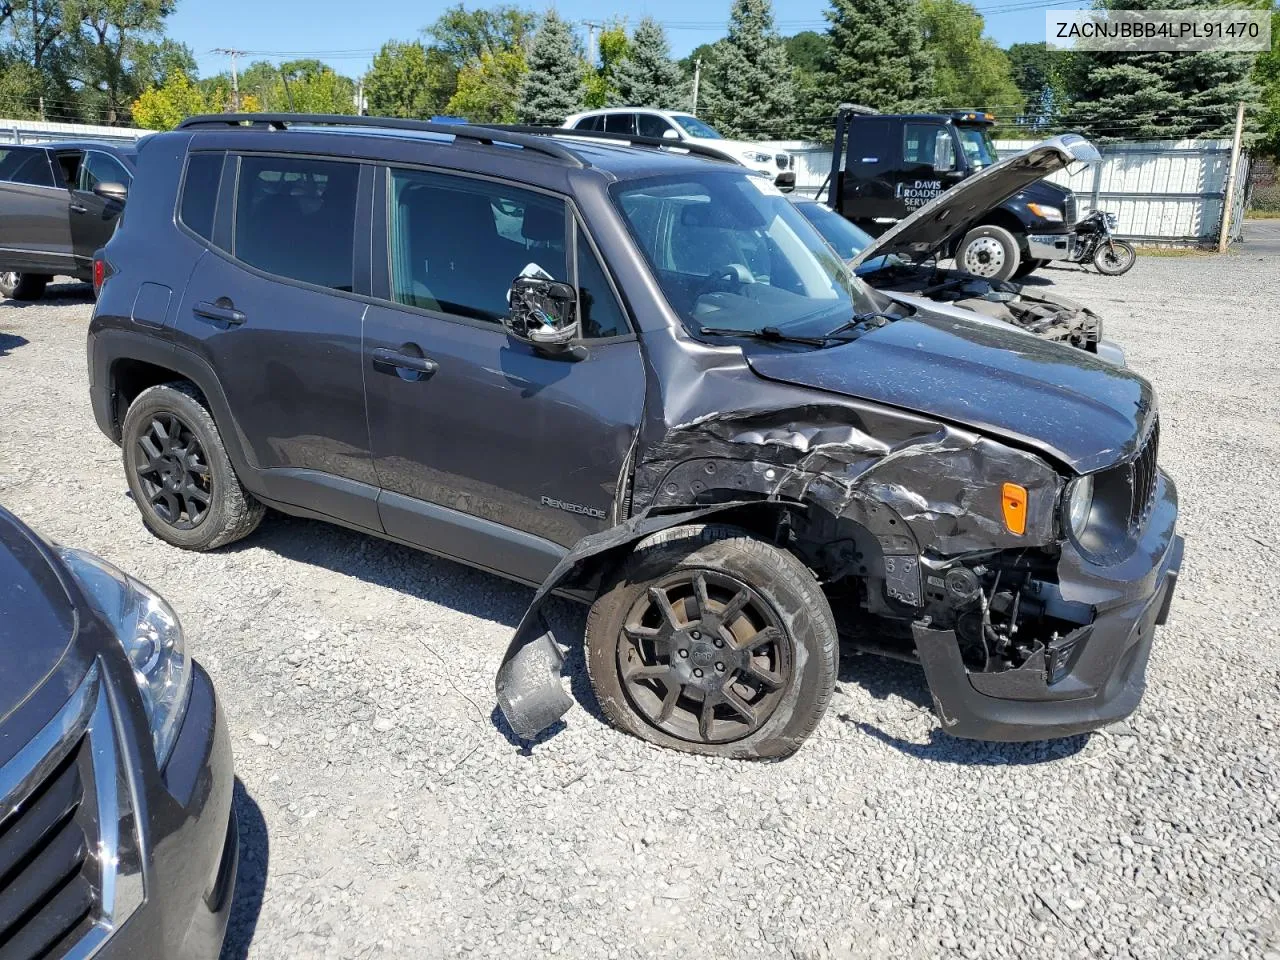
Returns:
(1013, 498)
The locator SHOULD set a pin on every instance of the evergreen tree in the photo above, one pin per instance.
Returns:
(553, 88)
(1158, 96)
(1037, 73)
(647, 76)
(876, 56)
(749, 91)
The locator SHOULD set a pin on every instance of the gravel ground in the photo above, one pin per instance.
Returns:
(386, 814)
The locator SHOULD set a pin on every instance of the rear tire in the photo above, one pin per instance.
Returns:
(179, 474)
(989, 252)
(660, 648)
(23, 286)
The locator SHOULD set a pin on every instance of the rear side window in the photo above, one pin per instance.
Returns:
(589, 123)
(457, 243)
(19, 165)
(620, 123)
(200, 192)
(295, 218)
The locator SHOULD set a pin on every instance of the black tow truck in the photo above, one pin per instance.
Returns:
(884, 167)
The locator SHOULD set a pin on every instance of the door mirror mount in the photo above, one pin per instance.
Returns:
(544, 314)
(110, 190)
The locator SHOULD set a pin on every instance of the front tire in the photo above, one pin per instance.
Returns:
(22, 286)
(1115, 258)
(179, 474)
(712, 641)
(989, 252)
(1027, 267)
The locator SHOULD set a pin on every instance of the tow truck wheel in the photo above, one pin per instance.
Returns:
(712, 641)
(989, 252)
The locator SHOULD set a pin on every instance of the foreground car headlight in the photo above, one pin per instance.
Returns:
(759, 157)
(1045, 212)
(149, 631)
(1079, 505)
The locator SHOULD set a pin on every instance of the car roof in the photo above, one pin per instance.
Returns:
(110, 146)
(606, 110)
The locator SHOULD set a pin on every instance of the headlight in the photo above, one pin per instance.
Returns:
(1112, 220)
(149, 631)
(1045, 212)
(759, 157)
(1079, 505)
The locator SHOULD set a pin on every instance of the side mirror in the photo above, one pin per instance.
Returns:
(110, 190)
(944, 154)
(669, 134)
(544, 313)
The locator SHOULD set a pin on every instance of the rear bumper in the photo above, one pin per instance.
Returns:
(1101, 674)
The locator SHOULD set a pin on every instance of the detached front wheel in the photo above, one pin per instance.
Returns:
(712, 641)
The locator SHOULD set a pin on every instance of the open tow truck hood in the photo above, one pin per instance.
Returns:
(1061, 401)
(917, 236)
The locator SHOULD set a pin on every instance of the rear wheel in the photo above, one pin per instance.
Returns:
(179, 474)
(712, 641)
(989, 252)
(22, 286)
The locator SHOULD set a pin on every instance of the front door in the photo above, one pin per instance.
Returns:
(487, 451)
(270, 311)
(93, 218)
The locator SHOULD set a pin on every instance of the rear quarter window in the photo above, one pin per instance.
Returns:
(200, 192)
(25, 165)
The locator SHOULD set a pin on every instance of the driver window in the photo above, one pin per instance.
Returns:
(922, 143)
(457, 243)
(651, 125)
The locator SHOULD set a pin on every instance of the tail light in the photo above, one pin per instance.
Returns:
(102, 271)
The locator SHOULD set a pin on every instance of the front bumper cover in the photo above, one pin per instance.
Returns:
(1050, 246)
(1098, 675)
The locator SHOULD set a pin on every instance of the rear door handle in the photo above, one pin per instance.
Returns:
(393, 359)
(220, 312)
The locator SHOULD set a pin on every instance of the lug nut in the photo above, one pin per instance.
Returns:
(719, 668)
(718, 642)
(683, 653)
(694, 634)
(697, 673)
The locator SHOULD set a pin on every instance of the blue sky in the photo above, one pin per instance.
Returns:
(346, 34)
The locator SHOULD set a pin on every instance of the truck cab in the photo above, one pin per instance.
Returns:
(886, 166)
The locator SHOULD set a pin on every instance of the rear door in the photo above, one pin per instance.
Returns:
(269, 306)
(486, 450)
(93, 218)
(35, 229)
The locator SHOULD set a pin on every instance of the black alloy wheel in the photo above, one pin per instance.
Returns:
(173, 471)
(703, 658)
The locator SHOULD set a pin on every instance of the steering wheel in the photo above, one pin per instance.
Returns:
(727, 277)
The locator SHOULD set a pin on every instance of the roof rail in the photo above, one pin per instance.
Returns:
(697, 149)
(459, 131)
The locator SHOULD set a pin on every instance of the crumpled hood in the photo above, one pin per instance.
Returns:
(1064, 402)
(955, 211)
(37, 618)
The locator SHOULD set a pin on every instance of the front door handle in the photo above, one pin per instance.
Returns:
(79, 208)
(221, 311)
(394, 360)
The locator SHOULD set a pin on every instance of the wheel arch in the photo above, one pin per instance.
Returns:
(998, 217)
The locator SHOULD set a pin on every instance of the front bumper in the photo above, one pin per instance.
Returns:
(1050, 246)
(1100, 677)
(192, 842)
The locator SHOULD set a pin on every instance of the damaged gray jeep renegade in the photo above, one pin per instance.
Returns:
(643, 380)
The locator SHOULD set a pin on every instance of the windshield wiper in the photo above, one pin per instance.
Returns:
(861, 323)
(770, 334)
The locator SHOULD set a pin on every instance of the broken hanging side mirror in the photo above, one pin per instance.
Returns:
(544, 313)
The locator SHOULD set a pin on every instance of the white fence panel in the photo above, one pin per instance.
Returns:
(40, 131)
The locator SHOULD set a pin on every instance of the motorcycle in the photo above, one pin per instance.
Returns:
(1094, 242)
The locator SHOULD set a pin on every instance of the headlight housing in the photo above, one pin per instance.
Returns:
(151, 635)
(1079, 505)
(1045, 212)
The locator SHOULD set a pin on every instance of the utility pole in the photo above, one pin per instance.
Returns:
(697, 78)
(1229, 194)
(592, 26)
(235, 77)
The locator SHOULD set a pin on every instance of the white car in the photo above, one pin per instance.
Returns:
(686, 128)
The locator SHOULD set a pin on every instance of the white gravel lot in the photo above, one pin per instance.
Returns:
(384, 814)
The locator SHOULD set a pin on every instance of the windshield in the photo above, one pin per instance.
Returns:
(978, 148)
(848, 240)
(695, 127)
(731, 252)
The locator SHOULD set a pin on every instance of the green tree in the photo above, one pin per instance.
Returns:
(647, 76)
(969, 70)
(410, 80)
(156, 62)
(314, 87)
(1037, 73)
(807, 50)
(489, 88)
(464, 35)
(35, 80)
(1123, 95)
(261, 79)
(103, 52)
(749, 89)
(553, 87)
(876, 56)
(1266, 74)
(600, 77)
(164, 107)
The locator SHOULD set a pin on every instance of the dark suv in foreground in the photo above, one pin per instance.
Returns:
(117, 836)
(644, 380)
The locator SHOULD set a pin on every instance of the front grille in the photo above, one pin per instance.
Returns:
(783, 160)
(48, 882)
(1069, 209)
(1142, 479)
